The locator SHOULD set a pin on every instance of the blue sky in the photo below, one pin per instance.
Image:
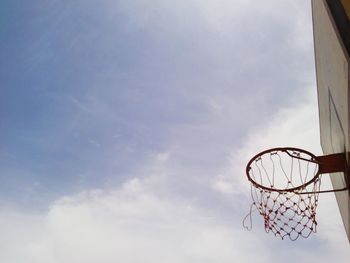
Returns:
(126, 126)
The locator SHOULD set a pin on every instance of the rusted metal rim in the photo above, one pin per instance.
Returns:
(312, 159)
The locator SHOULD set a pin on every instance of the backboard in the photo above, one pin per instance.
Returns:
(331, 28)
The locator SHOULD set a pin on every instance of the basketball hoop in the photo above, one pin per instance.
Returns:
(285, 184)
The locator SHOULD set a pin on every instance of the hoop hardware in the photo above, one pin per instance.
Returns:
(285, 183)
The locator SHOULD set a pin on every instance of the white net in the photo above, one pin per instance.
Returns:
(284, 186)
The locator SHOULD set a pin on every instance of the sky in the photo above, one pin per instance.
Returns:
(126, 127)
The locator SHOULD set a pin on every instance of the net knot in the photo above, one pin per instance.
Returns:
(267, 222)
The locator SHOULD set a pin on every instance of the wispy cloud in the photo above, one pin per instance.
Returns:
(136, 222)
(129, 224)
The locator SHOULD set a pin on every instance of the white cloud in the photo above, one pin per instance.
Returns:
(162, 157)
(137, 224)
(130, 224)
